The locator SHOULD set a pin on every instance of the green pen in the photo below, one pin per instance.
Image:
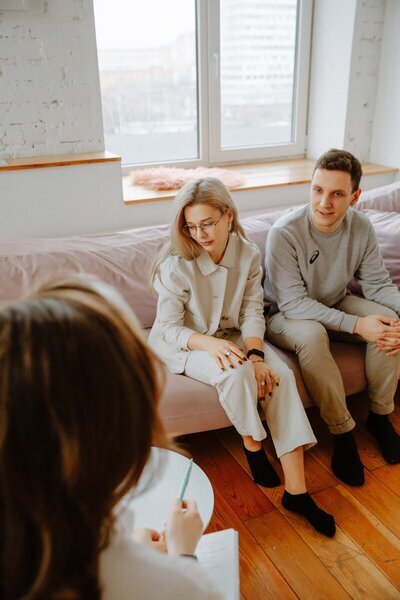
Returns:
(185, 481)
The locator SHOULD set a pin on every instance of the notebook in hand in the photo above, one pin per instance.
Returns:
(219, 553)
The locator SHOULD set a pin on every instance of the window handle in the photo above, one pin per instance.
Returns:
(215, 57)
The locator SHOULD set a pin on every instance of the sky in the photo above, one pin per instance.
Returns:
(124, 24)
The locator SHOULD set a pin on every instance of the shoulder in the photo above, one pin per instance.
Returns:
(294, 218)
(171, 263)
(359, 220)
(174, 270)
(129, 569)
(289, 228)
(249, 248)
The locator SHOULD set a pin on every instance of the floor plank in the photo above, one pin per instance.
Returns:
(375, 540)
(301, 568)
(281, 556)
(390, 476)
(317, 477)
(227, 476)
(260, 579)
(380, 500)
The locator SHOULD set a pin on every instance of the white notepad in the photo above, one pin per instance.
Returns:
(219, 554)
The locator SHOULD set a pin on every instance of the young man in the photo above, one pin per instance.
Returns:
(312, 255)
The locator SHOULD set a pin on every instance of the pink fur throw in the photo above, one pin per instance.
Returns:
(170, 178)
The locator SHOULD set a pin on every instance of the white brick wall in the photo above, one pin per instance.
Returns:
(364, 77)
(345, 63)
(49, 87)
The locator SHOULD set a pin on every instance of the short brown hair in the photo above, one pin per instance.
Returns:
(79, 389)
(341, 160)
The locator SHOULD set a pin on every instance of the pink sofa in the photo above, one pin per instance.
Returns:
(123, 260)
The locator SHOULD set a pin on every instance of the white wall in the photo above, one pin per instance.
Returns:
(49, 84)
(345, 56)
(364, 77)
(385, 145)
(330, 72)
(50, 104)
(79, 199)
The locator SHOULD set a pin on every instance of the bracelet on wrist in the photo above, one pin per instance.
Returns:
(255, 352)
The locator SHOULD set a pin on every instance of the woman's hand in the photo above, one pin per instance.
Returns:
(266, 378)
(224, 352)
(150, 538)
(184, 527)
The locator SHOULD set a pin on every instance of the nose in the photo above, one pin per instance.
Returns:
(200, 233)
(325, 201)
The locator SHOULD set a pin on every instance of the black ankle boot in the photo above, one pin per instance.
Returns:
(346, 462)
(388, 440)
(262, 471)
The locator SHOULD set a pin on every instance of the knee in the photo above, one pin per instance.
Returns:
(387, 312)
(313, 338)
(241, 374)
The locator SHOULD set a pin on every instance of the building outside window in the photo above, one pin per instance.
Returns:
(203, 82)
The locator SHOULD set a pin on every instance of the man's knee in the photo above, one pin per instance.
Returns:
(312, 339)
(388, 312)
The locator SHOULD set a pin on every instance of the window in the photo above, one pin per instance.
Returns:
(203, 82)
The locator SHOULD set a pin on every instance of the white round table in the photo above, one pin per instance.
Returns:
(159, 485)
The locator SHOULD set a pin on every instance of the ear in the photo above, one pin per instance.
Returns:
(229, 215)
(355, 197)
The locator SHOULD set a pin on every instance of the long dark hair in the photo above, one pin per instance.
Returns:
(78, 395)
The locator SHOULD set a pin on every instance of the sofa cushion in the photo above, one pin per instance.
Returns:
(122, 259)
(189, 406)
(385, 198)
(387, 228)
(258, 226)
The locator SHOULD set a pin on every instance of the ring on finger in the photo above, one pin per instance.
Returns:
(262, 382)
(228, 352)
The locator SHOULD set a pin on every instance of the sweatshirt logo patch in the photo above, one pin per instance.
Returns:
(314, 257)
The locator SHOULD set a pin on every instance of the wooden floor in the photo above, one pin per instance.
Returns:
(280, 554)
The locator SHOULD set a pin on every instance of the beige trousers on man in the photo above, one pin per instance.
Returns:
(237, 391)
(311, 342)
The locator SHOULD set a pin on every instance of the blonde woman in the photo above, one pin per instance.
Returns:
(210, 326)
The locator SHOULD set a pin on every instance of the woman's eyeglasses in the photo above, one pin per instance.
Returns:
(208, 228)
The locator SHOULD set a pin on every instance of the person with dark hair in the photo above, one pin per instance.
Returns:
(312, 255)
(210, 326)
(79, 390)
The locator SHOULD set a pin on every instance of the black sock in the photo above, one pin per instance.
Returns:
(388, 440)
(262, 471)
(304, 505)
(346, 462)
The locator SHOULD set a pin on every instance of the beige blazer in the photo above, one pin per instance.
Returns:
(199, 296)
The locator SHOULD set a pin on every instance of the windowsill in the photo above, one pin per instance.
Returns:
(257, 176)
(57, 160)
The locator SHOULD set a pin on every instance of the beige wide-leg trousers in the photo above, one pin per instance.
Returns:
(311, 342)
(237, 391)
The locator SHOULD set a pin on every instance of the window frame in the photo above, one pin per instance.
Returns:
(208, 96)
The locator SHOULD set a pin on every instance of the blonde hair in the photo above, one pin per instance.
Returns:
(210, 191)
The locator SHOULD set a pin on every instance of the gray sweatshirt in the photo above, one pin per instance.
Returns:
(308, 271)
